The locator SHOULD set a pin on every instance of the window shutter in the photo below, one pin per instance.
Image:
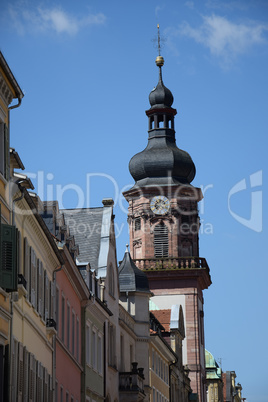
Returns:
(19, 267)
(46, 290)
(46, 385)
(52, 300)
(33, 279)
(32, 379)
(26, 264)
(160, 241)
(39, 384)
(25, 374)
(40, 287)
(20, 373)
(14, 369)
(50, 381)
(8, 258)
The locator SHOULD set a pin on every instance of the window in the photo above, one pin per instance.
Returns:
(40, 288)
(88, 344)
(68, 325)
(57, 307)
(137, 225)
(161, 241)
(26, 266)
(62, 318)
(111, 345)
(153, 360)
(77, 339)
(46, 295)
(94, 349)
(33, 277)
(100, 354)
(73, 332)
(61, 394)
(131, 355)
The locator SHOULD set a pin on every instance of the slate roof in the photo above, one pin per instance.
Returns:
(131, 278)
(163, 316)
(85, 225)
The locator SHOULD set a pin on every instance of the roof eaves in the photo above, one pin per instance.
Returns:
(10, 76)
(44, 227)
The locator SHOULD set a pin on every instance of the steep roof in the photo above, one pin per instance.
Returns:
(163, 316)
(85, 224)
(131, 278)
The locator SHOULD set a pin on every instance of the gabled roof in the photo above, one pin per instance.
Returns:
(163, 316)
(131, 278)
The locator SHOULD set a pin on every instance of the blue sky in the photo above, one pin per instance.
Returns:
(87, 68)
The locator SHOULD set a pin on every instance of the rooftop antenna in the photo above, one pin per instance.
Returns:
(219, 359)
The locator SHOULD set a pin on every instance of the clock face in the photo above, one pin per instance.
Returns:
(160, 205)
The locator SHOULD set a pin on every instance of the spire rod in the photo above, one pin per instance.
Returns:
(159, 60)
(158, 40)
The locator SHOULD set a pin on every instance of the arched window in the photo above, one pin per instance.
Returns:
(160, 240)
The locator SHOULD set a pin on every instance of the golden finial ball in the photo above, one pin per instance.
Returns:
(159, 61)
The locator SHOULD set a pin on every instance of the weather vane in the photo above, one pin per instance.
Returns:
(160, 40)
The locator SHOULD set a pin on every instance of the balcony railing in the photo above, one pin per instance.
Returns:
(51, 323)
(171, 263)
(132, 381)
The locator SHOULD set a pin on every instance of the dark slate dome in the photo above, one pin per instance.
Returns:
(131, 278)
(161, 96)
(161, 162)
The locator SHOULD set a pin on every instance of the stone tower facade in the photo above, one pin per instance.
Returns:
(164, 225)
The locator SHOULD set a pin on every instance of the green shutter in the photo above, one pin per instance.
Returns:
(8, 258)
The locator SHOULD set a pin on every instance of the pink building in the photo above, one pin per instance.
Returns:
(71, 295)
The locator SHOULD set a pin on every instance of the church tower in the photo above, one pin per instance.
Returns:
(164, 224)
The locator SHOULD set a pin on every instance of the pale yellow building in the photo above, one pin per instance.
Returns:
(33, 326)
(9, 91)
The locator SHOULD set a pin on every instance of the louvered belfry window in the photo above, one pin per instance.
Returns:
(160, 240)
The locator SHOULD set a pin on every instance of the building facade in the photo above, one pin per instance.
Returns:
(9, 90)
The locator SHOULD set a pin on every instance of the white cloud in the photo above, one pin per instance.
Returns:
(51, 20)
(158, 10)
(189, 4)
(223, 38)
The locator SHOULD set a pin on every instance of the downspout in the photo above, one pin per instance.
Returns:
(17, 105)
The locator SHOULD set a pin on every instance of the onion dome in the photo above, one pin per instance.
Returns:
(161, 162)
(131, 278)
(161, 96)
